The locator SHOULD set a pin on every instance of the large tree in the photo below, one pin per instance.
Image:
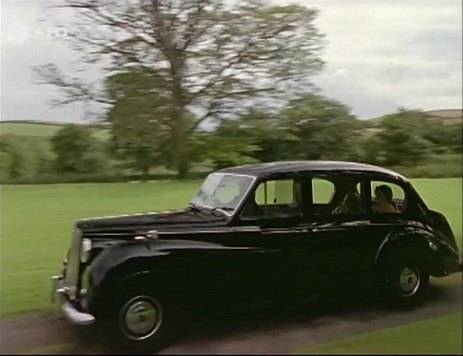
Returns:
(139, 130)
(402, 141)
(262, 131)
(211, 55)
(323, 128)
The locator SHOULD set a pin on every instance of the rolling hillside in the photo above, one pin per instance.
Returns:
(48, 129)
(448, 117)
(43, 129)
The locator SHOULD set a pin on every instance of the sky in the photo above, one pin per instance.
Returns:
(380, 55)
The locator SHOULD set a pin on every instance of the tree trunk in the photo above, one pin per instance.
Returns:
(179, 133)
(179, 144)
(145, 173)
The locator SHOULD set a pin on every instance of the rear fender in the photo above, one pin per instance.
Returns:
(440, 223)
(422, 246)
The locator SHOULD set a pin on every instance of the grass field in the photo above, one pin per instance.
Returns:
(36, 223)
(29, 129)
(438, 336)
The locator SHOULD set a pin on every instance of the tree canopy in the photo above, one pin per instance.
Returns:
(216, 57)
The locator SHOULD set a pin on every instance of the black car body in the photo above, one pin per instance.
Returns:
(260, 233)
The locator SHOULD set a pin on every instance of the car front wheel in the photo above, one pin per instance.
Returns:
(143, 323)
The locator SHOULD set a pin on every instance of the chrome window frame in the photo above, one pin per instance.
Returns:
(245, 195)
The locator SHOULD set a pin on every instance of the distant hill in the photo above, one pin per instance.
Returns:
(44, 129)
(447, 117)
(371, 127)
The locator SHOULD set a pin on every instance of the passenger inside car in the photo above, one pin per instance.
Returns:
(384, 200)
(350, 204)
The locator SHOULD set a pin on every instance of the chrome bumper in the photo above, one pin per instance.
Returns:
(64, 307)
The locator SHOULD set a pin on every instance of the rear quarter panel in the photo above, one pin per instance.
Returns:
(423, 243)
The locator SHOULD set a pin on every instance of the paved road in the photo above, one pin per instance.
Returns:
(258, 332)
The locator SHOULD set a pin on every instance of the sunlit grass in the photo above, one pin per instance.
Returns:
(438, 336)
(445, 196)
(36, 224)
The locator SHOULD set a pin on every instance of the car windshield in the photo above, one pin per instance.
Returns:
(222, 191)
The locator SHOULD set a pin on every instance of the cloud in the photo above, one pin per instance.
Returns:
(379, 54)
(386, 54)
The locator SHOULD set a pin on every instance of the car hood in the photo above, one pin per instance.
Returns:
(160, 221)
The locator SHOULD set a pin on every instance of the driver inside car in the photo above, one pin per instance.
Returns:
(384, 200)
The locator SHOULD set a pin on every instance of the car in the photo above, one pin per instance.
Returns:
(256, 234)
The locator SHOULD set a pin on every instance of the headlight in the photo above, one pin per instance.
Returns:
(86, 247)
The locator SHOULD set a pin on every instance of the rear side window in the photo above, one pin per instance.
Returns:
(337, 195)
(322, 191)
(387, 197)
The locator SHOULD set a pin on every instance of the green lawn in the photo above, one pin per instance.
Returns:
(29, 129)
(444, 195)
(438, 336)
(36, 223)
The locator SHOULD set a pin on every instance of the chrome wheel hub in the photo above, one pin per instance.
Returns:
(141, 317)
(409, 281)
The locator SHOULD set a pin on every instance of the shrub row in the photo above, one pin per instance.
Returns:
(444, 166)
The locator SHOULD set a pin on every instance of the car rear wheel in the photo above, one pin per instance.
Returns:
(403, 282)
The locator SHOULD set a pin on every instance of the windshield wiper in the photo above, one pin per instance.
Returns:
(222, 209)
(226, 208)
(196, 208)
(207, 210)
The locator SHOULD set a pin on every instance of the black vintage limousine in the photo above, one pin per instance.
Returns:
(264, 233)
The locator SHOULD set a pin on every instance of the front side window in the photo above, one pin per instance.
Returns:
(223, 191)
(274, 199)
(387, 197)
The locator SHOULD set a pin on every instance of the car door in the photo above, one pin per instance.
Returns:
(281, 240)
(341, 241)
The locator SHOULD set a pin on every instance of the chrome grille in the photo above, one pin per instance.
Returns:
(71, 277)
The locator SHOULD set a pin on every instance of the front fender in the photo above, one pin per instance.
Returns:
(174, 267)
(137, 253)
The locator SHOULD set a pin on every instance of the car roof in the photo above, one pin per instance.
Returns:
(279, 167)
